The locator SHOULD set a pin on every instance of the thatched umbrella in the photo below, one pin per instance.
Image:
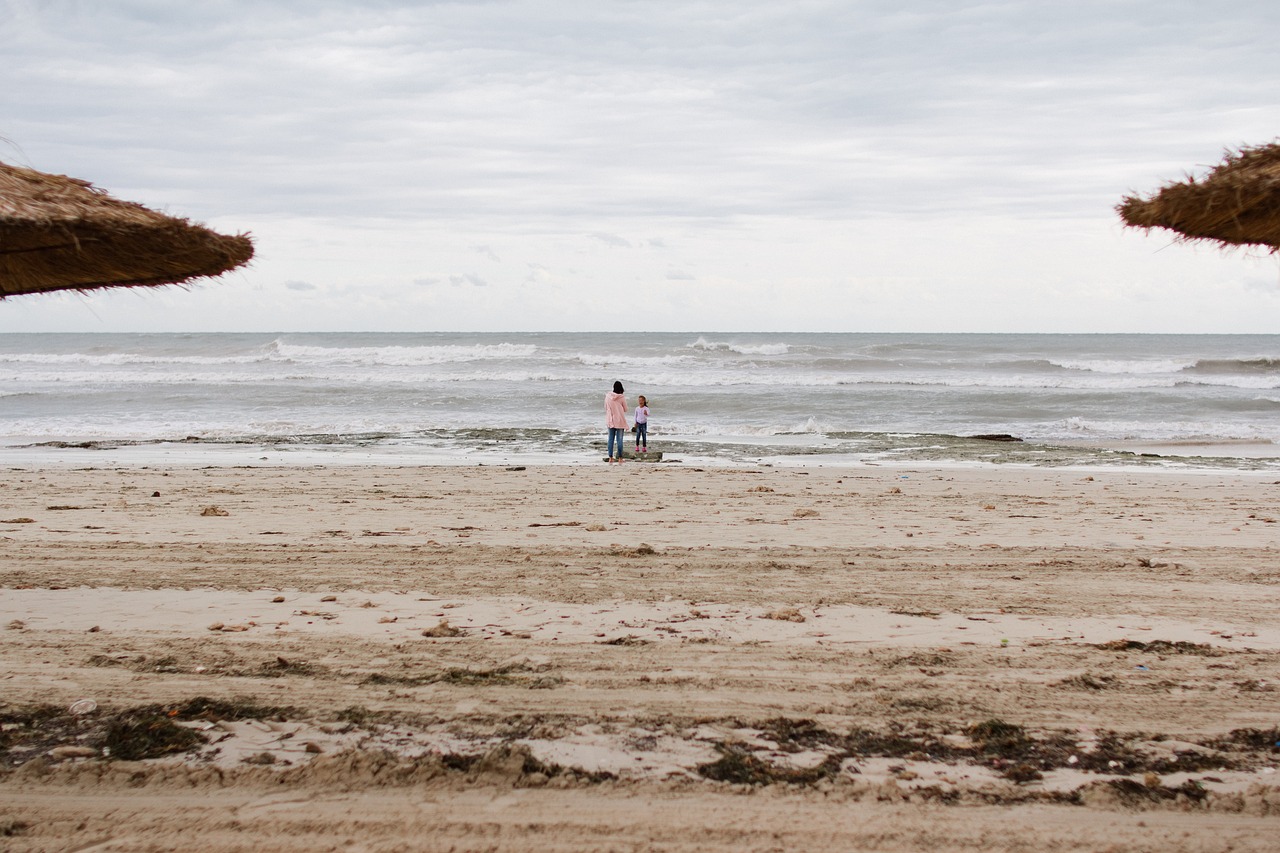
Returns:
(1236, 204)
(60, 233)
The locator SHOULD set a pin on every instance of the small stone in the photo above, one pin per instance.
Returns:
(444, 629)
(329, 598)
(216, 626)
(64, 752)
(95, 629)
(16, 625)
(213, 510)
(279, 599)
(80, 707)
(312, 747)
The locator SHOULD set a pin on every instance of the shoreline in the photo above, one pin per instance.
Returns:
(1224, 457)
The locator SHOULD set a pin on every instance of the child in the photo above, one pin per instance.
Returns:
(642, 425)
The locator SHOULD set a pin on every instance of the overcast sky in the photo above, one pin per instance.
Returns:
(907, 165)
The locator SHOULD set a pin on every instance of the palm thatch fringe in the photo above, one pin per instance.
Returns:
(1237, 203)
(61, 233)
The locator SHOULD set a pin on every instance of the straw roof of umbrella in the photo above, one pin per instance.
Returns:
(1237, 203)
(60, 233)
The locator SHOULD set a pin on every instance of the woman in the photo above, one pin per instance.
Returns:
(615, 418)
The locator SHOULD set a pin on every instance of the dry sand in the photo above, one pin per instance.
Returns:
(636, 657)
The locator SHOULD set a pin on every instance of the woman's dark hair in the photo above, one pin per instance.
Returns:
(617, 387)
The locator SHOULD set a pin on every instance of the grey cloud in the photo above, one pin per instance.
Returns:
(299, 285)
(679, 275)
(685, 119)
(611, 240)
(521, 111)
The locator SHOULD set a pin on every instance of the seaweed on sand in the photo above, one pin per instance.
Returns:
(136, 735)
(742, 767)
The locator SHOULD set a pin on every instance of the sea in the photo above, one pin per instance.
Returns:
(726, 399)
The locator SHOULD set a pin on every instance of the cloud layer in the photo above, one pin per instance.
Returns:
(540, 156)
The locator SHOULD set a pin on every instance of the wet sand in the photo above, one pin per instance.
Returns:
(638, 657)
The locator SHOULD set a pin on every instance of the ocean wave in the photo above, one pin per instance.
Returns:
(625, 362)
(636, 377)
(741, 349)
(124, 359)
(403, 356)
(1126, 367)
(1260, 364)
(1164, 431)
(1167, 366)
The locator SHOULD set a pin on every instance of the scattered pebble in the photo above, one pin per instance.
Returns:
(213, 510)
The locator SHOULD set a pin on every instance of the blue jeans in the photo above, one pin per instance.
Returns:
(642, 435)
(615, 436)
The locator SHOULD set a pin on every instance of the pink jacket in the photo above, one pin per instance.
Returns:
(615, 411)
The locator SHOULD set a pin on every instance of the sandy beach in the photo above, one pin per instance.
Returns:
(637, 657)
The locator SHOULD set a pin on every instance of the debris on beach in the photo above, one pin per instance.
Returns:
(444, 629)
(785, 614)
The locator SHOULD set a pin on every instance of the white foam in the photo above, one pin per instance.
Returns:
(741, 349)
